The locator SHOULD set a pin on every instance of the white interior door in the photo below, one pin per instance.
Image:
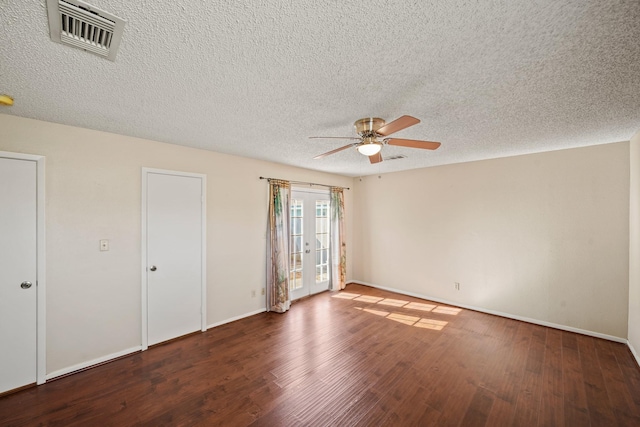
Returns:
(18, 273)
(309, 246)
(175, 236)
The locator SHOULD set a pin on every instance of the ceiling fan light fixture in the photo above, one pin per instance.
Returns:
(372, 128)
(370, 149)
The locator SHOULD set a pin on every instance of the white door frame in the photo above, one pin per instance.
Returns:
(323, 191)
(203, 284)
(41, 313)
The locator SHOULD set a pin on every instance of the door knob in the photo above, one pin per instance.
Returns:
(307, 251)
(25, 285)
(153, 268)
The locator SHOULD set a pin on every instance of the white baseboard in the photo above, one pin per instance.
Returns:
(99, 360)
(90, 363)
(634, 352)
(498, 313)
(233, 319)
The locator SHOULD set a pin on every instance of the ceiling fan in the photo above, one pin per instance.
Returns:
(372, 128)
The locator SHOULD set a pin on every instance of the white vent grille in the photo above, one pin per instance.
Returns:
(399, 156)
(78, 24)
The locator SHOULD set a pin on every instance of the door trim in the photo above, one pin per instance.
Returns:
(143, 267)
(41, 312)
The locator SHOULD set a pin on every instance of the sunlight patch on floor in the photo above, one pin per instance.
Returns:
(403, 318)
(345, 295)
(431, 324)
(406, 319)
(420, 306)
(393, 302)
(368, 298)
(440, 309)
(447, 310)
(376, 312)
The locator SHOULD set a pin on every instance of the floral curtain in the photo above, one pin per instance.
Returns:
(278, 298)
(338, 245)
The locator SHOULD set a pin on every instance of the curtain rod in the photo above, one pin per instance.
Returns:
(309, 183)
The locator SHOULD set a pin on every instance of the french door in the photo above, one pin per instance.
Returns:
(309, 245)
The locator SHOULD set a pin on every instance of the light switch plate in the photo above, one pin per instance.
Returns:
(104, 245)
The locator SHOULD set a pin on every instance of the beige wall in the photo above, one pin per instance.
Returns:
(634, 247)
(93, 188)
(542, 236)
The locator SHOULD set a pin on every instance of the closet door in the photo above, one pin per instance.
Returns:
(18, 273)
(174, 255)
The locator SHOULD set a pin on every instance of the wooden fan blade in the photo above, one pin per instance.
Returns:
(398, 124)
(412, 143)
(376, 158)
(334, 151)
(333, 137)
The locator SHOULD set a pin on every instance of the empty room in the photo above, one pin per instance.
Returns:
(283, 213)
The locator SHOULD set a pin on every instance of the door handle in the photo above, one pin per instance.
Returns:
(307, 251)
(25, 285)
(153, 268)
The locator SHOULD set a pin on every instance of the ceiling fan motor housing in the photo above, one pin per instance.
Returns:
(367, 127)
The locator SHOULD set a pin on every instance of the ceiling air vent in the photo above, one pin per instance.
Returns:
(78, 24)
(399, 156)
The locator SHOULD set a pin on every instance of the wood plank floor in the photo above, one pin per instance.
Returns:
(380, 359)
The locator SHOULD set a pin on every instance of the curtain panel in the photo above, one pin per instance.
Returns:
(338, 245)
(278, 298)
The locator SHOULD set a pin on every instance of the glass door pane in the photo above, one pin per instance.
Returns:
(296, 245)
(322, 241)
(309, 243)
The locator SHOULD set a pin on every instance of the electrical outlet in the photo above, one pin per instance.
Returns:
(457, 285)
(253, 293)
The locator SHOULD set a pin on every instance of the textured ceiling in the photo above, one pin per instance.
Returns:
(256, 79)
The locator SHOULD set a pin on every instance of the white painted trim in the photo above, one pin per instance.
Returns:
(636, 355)
(144, 343)
(107, 358)
(91, 363)
(203, 254)
(42, 276)
(498, 313)
(233, 319)
(144, 290)
(41, 294)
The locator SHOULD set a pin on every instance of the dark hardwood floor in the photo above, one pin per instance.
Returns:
(338, 360)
